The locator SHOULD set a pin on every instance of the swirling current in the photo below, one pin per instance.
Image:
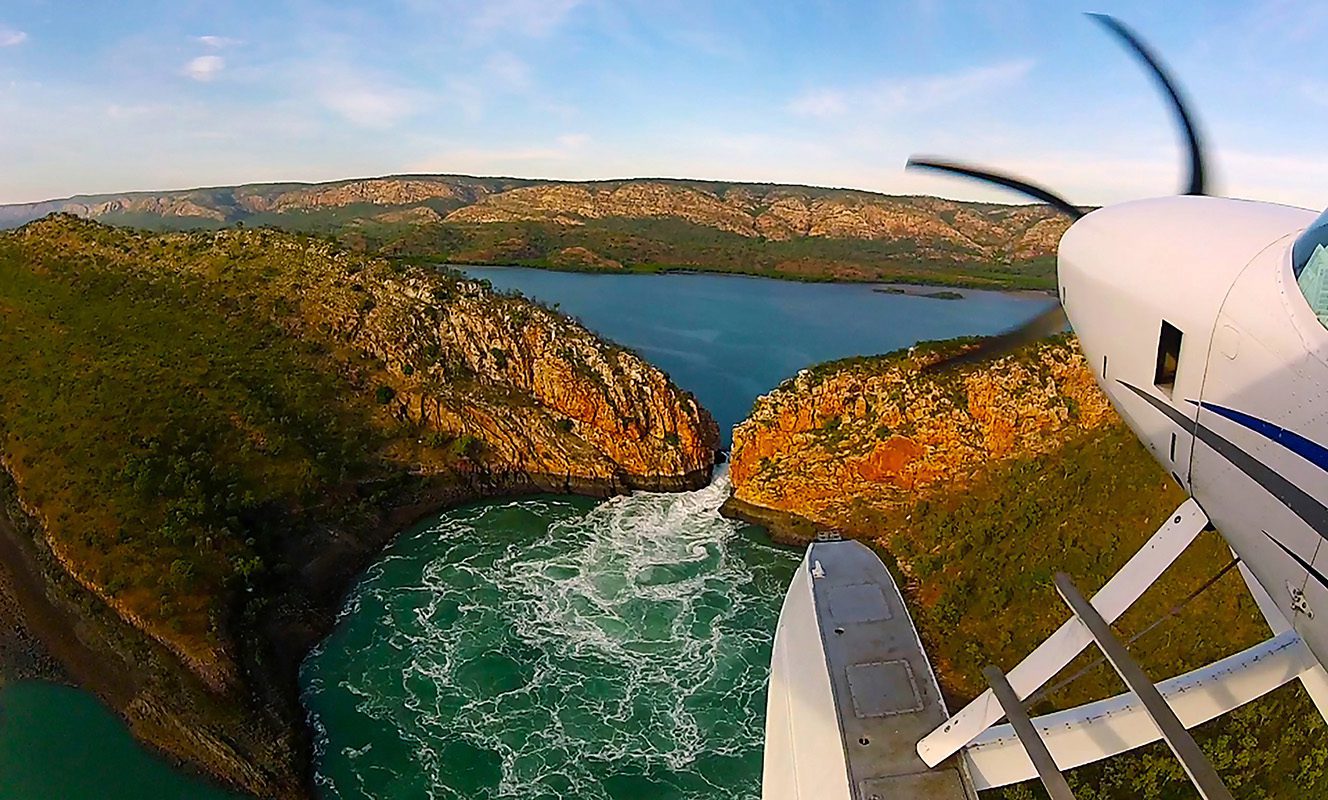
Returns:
(555, 647)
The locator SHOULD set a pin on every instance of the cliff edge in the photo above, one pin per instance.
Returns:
(205, 437)
(877, 432)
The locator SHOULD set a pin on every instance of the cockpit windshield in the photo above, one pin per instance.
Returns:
(1309, 262)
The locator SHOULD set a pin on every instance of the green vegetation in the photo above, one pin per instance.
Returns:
(161, 416)
(941, 295)
(978, 565)
(901, 239)
(655, 246)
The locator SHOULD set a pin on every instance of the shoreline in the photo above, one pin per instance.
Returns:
(784, 528)
(52, 618)
(1048, 291)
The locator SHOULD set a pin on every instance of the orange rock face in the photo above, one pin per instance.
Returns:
(876, 432)
(888, 460)
(541, 394)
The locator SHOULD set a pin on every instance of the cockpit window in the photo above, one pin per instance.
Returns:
(1309, 262)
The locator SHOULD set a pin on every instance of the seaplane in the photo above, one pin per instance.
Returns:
(1205, 321)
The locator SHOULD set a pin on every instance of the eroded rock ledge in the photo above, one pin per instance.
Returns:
(834, 444)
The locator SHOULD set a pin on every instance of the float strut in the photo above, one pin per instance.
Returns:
(1196, 765)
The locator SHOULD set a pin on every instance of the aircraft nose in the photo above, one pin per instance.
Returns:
(1142, 282)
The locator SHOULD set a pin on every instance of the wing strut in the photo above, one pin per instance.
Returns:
(1119, 593)
(1196, 765)
(1048, 772)
(1088, 733)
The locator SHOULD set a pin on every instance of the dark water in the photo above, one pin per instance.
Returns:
(555, 646)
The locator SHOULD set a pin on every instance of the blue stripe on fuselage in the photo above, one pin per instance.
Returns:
(1307, 449)
(1296, 499)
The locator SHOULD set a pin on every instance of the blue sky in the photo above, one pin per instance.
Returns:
(100, 97)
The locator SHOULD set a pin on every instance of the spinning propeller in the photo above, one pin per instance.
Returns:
(1054, 319)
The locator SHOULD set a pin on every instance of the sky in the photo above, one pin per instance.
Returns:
(111, 97)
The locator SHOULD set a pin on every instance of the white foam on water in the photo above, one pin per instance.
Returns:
(627, 639)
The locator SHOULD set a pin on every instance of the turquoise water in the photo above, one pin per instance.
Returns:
(554, 646)
(58, 743)
(559, 647)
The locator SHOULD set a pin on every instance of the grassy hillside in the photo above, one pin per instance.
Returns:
(664, 245)
(979, 565)
(167, 429)
(784, 231)
(206, 435)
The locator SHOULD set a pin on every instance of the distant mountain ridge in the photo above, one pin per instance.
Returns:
(230, 204)
(784, 230)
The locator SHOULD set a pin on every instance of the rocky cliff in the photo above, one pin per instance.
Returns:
(875, 432)
(793, 231)
(977, 484)
(205, 436)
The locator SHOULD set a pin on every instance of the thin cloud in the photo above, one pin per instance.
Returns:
(565, 149)
(496, 20)
(820, 103)
(508, 71)
(216, 42)
(204, 68)
(10, 37)
(910, 94)
(1315, 92)
(370, 106)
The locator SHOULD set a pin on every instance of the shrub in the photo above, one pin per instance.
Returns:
(384, 395)
(466, 446)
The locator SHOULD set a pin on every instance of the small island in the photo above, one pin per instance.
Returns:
(941, 294)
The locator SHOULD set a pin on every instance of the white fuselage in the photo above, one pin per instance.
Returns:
(1242, 424)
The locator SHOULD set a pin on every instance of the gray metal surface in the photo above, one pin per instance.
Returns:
(1028, 735)
(1196, 765)
(885, 692)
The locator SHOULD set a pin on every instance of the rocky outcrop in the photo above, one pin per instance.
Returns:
(378, 192)
(417, 215)
(576, 203)
(876, 433)
(237, 203)
(783, 213)
(540, 394)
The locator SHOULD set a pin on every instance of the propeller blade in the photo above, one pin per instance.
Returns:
(1053, 320)
(1134, 43)
(1050, 198)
